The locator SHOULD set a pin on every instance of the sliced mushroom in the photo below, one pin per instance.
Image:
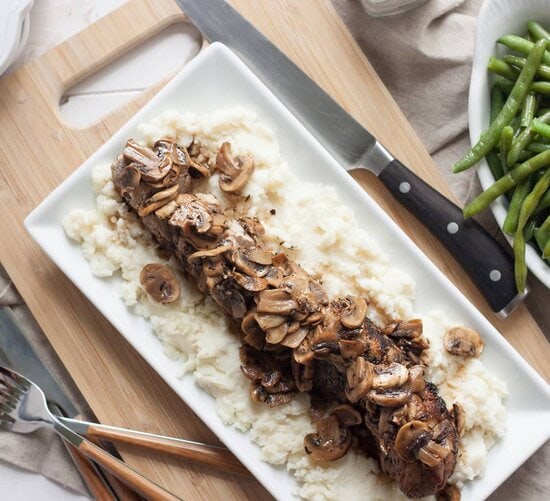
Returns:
(268, 321)
(125, 177)
(260, 256)
(216, 251)
(166, 210)
(252, 284)
(213, 266)
(325, 341)
(292, 340)
(359, 379)
(463, 342)
(259, 394)
(389, 376)
(252, 226)
(234, 171)
(191, 214)
(199, 168)
(270, 379)
(314, 318)
(158, 200)
(393, 397)
(276, 334)
(459, 417)
(354, 312)
(303, 353)
(449, 493)
(410, 438)
(151, 167)
(331, 441)
(347, 415)
(160, 283)
(276, 301)
(433, 453)
(416, 382)
(351, 348)
(409, 329)
(254, 336)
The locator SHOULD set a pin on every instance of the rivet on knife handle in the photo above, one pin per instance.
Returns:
(487, 263)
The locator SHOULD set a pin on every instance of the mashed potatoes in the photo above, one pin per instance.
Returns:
(312, 225)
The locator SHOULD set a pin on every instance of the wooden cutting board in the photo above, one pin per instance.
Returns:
(39, 150)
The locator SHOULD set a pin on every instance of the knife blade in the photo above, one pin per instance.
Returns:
(486, 261)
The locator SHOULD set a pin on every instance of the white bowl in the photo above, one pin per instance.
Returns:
(497, 18)
(14, 30)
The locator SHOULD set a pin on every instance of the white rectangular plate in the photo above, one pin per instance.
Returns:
(216, 79)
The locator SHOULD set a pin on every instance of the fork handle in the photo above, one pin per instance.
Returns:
(143, 486)
(210, 455)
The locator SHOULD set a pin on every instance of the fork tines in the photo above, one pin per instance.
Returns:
(12, 389)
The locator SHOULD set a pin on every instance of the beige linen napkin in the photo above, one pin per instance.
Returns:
(42, 451)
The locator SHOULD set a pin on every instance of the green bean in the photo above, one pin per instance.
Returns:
(521, 45)
(544, 202)
(529, 230)
(540, 87)
(545, 226)
(494, 164)
(525, 155)
(527, 209)
(520, 194)
(504, 84)
(490, 136)
(546, 251)
(540, 127)
(507, 86)
(515, 124)
(537, 31)
(521, 142)
(541, 237)
(519, 62)
(505, 183)
(537, 147)
(497, 102)
(501, 67)
(528, 110)
(505, 143)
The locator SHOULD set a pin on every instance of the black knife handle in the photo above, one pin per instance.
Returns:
(487, 263)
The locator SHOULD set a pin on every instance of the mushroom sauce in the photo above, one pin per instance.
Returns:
(333, 248)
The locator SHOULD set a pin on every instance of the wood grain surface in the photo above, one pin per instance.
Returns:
(39, 150)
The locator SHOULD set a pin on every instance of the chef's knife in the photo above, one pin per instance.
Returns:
(487, 262)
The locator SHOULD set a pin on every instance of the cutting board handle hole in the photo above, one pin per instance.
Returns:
(115, 84)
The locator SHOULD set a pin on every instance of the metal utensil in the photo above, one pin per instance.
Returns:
(15, 351)
(21, 355)
(211, 455)
(487, 263)
(23, 409)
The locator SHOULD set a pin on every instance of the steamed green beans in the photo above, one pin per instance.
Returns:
(516, 145)
(528, 208)
(507, 182)
(490, 137)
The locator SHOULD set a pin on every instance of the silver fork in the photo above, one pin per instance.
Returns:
(23, 409)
